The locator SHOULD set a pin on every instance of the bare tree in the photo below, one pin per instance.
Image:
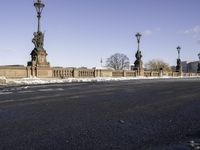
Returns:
(118, 61)
(157, 64)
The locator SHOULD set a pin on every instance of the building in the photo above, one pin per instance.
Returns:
(192, 67)
(184, 66)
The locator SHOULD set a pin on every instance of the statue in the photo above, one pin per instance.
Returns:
(178, 67)
(38, 39)
(34, 40)
(138, 55)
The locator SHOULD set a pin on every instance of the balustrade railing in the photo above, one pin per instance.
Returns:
(147, 73)
(155, 74)
(63, 73)
(91, 73)
(86, 73)
(131, 74)
(117, 73)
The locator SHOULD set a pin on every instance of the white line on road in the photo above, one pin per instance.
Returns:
(48, 90)
(21, 92)
(6, 101)
(45, 90)
(5, 93)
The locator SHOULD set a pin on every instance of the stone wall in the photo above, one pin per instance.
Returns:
(80, 73)
(48, 72)
(90, 73)
(13, 71)
(44, 72)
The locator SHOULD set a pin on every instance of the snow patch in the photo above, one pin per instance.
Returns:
(36, 81)
(2, 78)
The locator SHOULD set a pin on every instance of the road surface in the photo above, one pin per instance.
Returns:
(123, 115)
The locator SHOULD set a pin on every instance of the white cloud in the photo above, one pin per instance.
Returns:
(147, 32)
(194, 30)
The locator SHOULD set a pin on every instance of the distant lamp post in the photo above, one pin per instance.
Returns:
(39, 7)
(179, 67)
(179, 51)
(101, 61)
(198, 69)
(138, 36)
(138, 63)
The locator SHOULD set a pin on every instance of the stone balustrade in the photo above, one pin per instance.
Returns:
(63, 73)
(59, 72)
(130, 74)
(190, 74)
(86, 73)
(73, 73)
(91, 73)
(147, 73)
(118, 74)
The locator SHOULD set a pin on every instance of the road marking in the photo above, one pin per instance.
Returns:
(75, 97)
(6, 101)
(21, 92)
(59, 89)
(48, 90)
(5, 93)
(45, 90)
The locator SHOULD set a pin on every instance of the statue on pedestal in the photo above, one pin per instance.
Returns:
(138, 64)
(38, 54)
(38, 40)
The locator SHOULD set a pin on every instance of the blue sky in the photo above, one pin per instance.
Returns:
(81, 32)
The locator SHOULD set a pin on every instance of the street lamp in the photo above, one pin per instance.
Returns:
(138, 36)
(178, 50)
(39, 7)
(138, 62)
(199, 57)
(178, 67)
(198, 68)
(101, 61)
(38, 54)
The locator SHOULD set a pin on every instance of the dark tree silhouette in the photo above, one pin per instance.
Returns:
(118, 61)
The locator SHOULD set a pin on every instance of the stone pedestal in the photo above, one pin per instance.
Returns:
(38, 56)
(138, 64)
(139, 68)
(178, 67)
(38, 66)
(198, 69)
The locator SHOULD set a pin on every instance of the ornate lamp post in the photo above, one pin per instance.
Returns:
(39, 7)
(101, 61)
(178, 67)
(38, 54)
(178, 50)
(138, 55)
(138, 36)
(198, 69)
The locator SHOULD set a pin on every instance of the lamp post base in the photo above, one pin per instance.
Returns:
(198, 69)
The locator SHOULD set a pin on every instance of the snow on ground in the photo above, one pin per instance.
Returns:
(2, 80)
(35, 81)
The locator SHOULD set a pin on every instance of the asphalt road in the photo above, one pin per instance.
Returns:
(125, 115)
